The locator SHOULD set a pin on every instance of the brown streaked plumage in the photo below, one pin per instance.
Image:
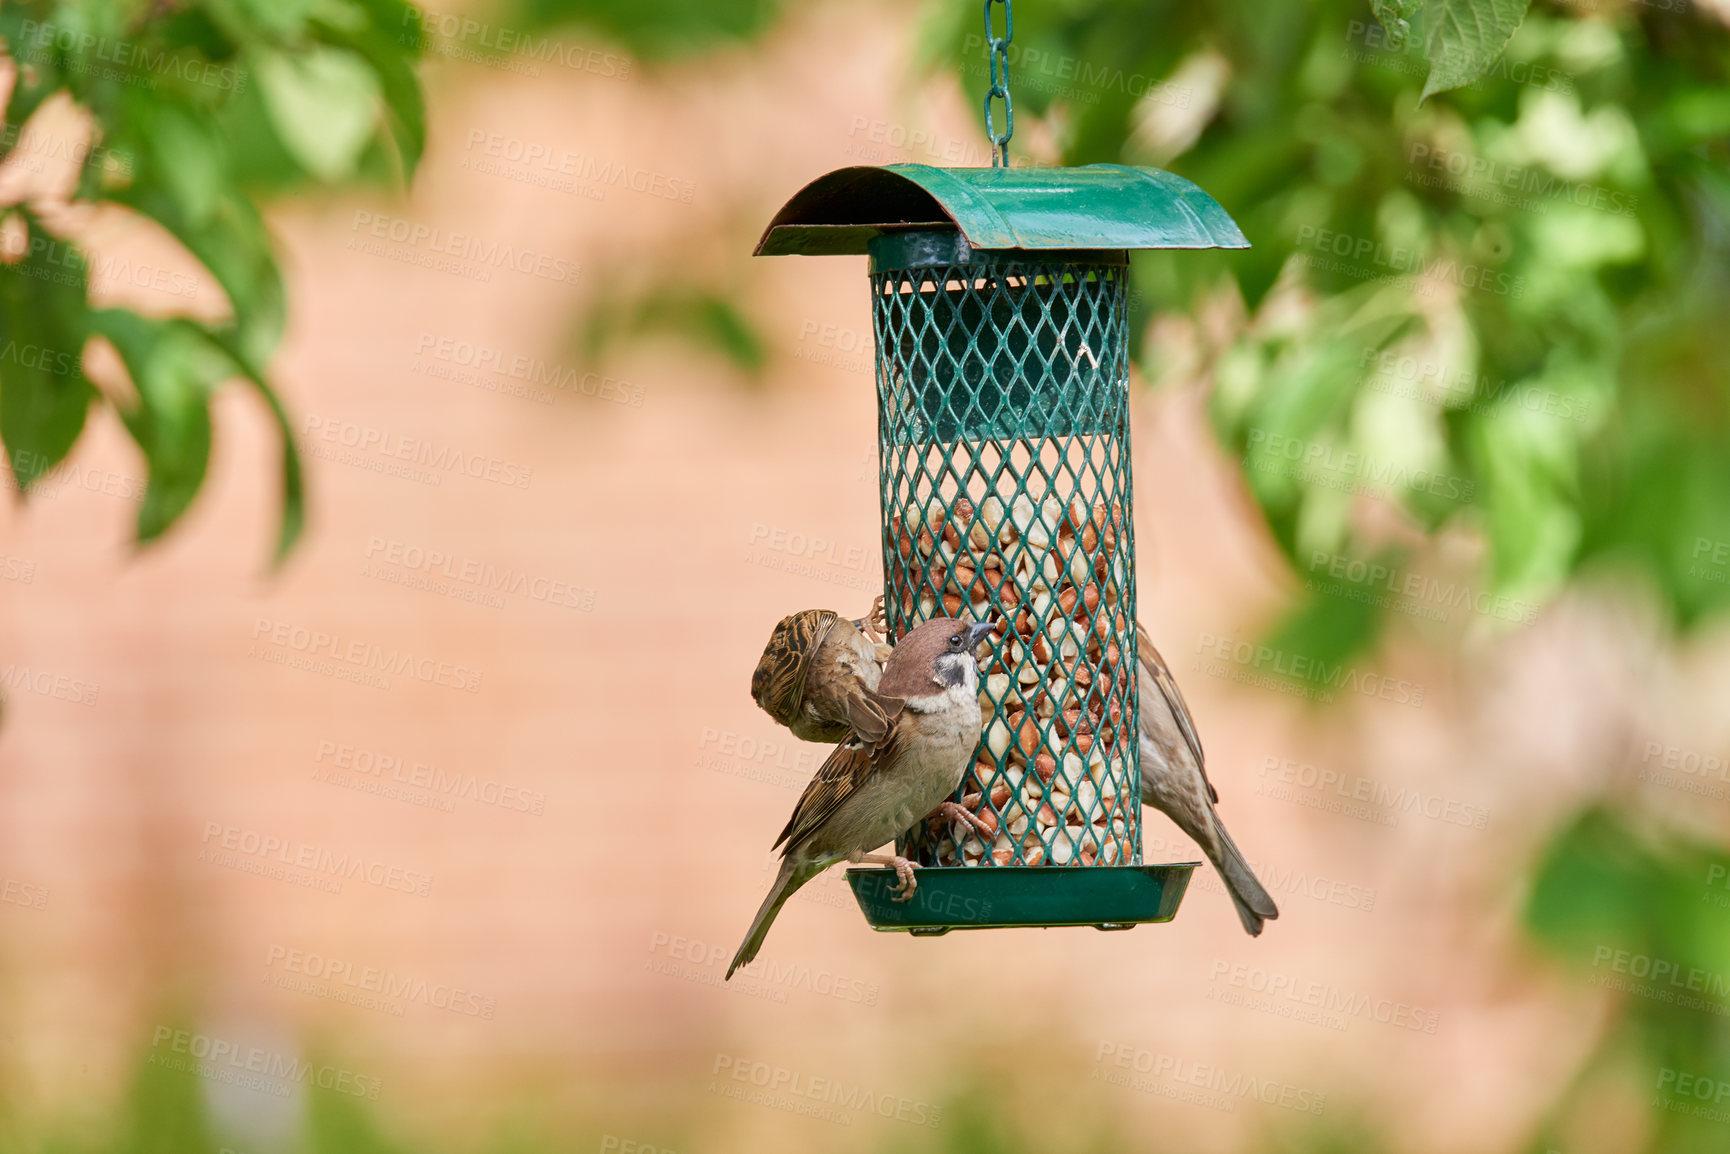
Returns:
(1174, 781)
(818, 676)
(871, 789)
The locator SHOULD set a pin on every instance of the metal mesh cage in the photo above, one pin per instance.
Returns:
(1002, 387)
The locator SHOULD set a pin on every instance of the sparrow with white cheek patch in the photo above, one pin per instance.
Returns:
(1174, 781)
(870, 790)
(818, 676)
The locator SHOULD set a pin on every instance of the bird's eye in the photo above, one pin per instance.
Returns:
(955, 641)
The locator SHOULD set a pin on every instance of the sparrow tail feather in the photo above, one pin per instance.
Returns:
(1254, 905)
(787, 881)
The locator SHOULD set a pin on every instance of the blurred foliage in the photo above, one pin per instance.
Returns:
(670, 307)
(1492, 310)
(198, 111)
(655, 29)
(1645, 913)
(674, 302)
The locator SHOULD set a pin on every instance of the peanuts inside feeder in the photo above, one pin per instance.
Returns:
(999, 310)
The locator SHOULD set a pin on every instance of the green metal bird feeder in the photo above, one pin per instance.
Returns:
(999, 309)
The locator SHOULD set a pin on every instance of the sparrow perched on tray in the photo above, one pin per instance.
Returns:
(871, 789)
(1174, 781)
(818, 676)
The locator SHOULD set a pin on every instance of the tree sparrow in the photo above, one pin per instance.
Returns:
(1174, 781)
(818, 676)
(871, 789)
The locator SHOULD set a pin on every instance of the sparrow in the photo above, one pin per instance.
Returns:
(818, 676)
(1174, 781)
(871, 789)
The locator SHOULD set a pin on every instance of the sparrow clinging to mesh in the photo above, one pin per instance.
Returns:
(818, 676)
(1174, 781)
(871, 789)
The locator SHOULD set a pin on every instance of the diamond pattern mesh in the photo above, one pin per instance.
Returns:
(1004, 441)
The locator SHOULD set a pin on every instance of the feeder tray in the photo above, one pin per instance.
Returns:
(1008, 897)
(999, 310)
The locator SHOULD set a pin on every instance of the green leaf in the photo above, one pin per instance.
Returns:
(391, 41)
(43, 325)
(235, 247)
(175, 365)
(1529, 465)
(1462, 38)
(174, 368)
(324, 103)
(293, 485)
(188, 156)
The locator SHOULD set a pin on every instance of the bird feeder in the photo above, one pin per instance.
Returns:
(999, 309)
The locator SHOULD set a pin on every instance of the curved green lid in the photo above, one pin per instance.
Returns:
(1096, 206)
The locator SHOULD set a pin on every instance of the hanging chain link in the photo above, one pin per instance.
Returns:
(998, 46)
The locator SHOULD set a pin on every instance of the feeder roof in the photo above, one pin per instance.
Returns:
(1096, 206)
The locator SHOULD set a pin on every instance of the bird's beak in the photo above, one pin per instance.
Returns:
(979, 631)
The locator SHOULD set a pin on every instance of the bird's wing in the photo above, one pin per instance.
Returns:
(840, 776)
(1158, 673)
(868, 713)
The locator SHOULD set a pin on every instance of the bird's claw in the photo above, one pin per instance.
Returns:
(877, 621)
(903, 871)
(961, 813)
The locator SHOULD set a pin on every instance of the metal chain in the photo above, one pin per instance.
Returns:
(998, 46)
